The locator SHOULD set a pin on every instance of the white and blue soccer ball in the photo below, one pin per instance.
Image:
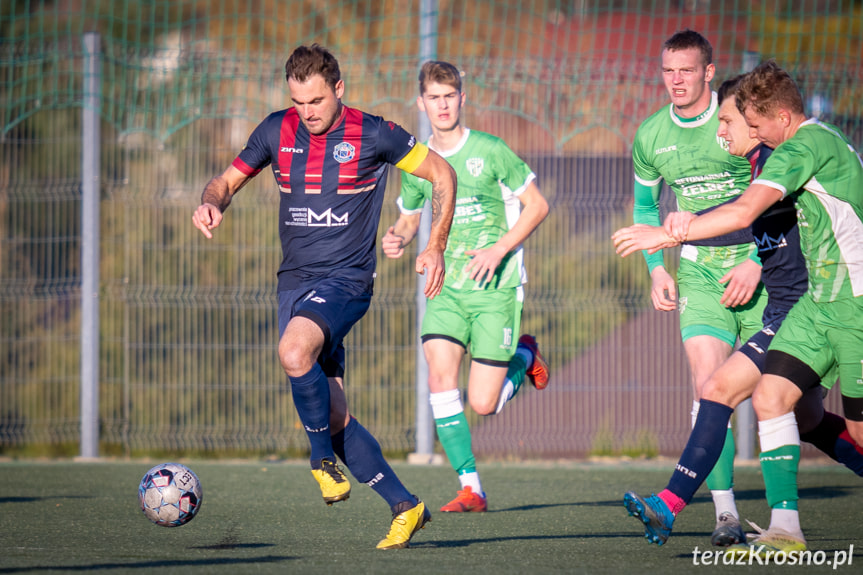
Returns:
(170, 494)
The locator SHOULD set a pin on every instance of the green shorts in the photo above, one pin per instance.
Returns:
(487, 322)
(825, 334)
(699, 292)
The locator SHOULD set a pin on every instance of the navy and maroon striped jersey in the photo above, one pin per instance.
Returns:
(783, 270)
(332, 188)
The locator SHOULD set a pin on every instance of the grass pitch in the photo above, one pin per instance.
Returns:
(265, 517)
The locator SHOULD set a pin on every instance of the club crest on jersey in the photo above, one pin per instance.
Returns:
(474, 166)
(344, 152)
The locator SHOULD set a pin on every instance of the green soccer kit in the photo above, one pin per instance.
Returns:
(490, 179)
(824, 329)
(696, 165)
(827, 326)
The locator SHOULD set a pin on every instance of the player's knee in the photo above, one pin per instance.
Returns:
(485, 405)
(730, 392)
(295, 361)
(716, 390)
(768, 405)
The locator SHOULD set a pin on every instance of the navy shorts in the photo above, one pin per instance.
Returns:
(756, 346)
(335, 305)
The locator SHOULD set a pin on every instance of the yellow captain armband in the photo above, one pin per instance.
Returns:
(413, 158)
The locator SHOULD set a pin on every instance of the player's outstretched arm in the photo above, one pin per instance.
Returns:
(485, 261)
(216, 198)
(400, 235)
(443, 179)
(727, 218)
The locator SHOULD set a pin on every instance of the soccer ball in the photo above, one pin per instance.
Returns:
(170, 494)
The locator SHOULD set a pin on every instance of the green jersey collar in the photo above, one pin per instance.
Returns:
(454, 150)
(698, 120)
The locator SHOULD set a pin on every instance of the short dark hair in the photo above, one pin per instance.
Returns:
(728, 88)
(686, 39)
(307, 61)
(436, 71)
(768, 87)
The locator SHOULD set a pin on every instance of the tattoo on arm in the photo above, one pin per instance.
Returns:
(441, 221)
(436, 203)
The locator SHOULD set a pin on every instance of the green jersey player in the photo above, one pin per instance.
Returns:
(718, 293)
(814, 163)
(498, 205)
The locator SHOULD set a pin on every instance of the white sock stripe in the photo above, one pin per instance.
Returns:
(723, 501)
(696, 405)
(778, 432)
(787, 519)
(446, 403)
(505, 395)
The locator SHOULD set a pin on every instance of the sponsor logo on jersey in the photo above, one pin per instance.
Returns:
(708, 186)
(327, 219)
(666, 149)
(469, 210)
(474, 166)
(287, 150)
(344, 152)
(765, 243)
(305, 217)
(723, 143)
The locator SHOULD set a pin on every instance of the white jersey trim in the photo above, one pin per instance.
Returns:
(454, 150)
(648, 183)
(400, 203)
(772, 184)
(530, 177)
(702, 119)
(848, 231)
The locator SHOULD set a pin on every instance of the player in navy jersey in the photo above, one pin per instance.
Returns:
(330, 163)
(784, 276)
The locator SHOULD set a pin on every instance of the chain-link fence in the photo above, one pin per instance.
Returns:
(187, 358)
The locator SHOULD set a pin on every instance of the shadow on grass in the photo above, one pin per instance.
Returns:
(34, 499)
(825, 492)
(559, 504)
(152, 564)
(523, 538)
(222, 545)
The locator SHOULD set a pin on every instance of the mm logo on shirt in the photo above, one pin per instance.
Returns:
(327, 219)
(305, 217)
(474, 166)
(344, 152)
(765, 243)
